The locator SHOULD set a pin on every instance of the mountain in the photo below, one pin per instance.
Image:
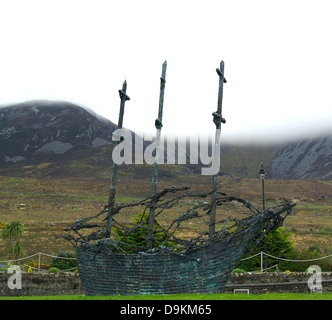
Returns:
(65, 140)
(38, 130)
(60, 139)
(302, 159)
(306, 159)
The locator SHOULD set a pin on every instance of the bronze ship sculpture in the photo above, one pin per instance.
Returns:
(111, 260)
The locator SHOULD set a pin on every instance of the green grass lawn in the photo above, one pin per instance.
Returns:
(223, 296)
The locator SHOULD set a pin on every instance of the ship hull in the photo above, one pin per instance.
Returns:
(203, 270)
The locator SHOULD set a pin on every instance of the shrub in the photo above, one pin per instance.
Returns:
(53, 270)
(277, 244)
(325, 264)
(137, 239)
(34, 266)
(238, 270)
(64, 264)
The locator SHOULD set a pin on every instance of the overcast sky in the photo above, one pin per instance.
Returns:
(277, 58)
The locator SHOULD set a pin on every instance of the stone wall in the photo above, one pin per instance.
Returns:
(258, 283)
(34, 284)
(42, 284)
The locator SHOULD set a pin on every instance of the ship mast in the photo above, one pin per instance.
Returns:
(217, 119)
(123, 98)
(158, 125)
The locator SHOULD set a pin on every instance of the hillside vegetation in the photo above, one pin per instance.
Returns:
(47, 205)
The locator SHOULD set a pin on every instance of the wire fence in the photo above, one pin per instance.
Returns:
(39, 265)
(261, 254)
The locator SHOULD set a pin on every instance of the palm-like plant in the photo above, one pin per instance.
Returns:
(13, 231)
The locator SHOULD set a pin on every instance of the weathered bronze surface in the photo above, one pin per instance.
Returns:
(217, 119)
(167, 263)
(158, 124)
(123, 98)
(198, 265)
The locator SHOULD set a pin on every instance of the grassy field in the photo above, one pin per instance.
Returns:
(47, 205)
(223, 296)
